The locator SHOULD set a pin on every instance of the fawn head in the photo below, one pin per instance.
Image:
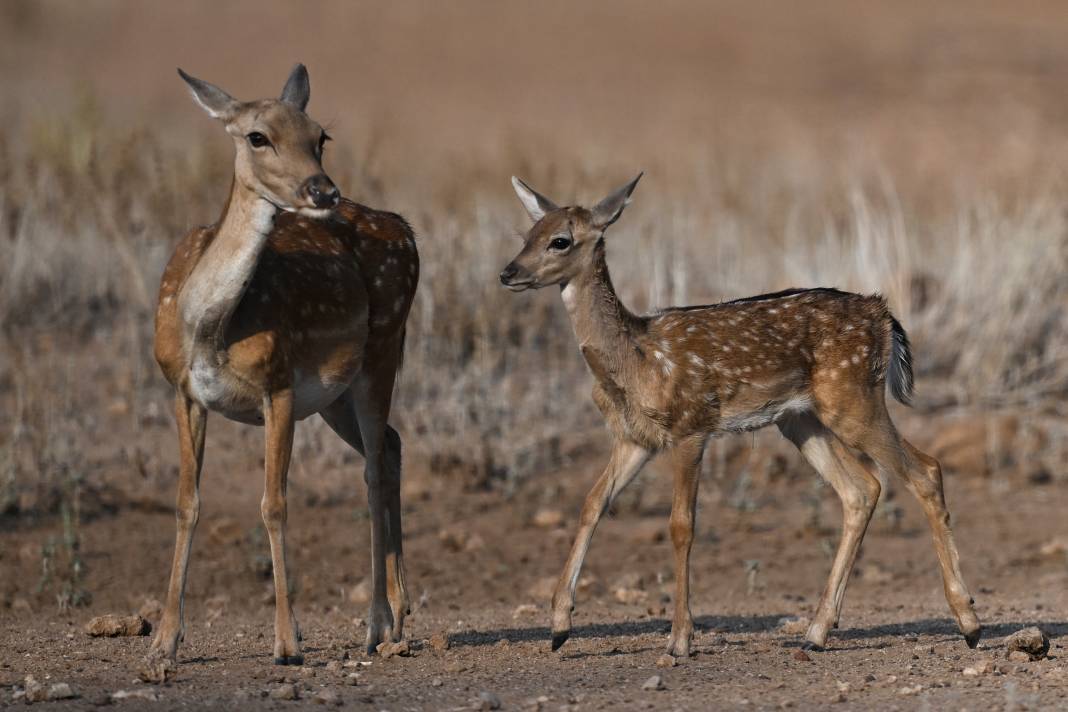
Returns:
(563, 241)
(279, 148)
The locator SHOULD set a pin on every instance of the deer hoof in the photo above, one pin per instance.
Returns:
(559, 639)
(289, 660)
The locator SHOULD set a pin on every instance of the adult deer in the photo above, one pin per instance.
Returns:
(293, 303)
(814, 362)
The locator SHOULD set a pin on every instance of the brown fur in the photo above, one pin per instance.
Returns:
(293, 303)
(813, 362)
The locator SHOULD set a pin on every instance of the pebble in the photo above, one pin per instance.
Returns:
(488, 701)
(390, 650)
(802, 656)
(1033, 641)
(653, 683)
(113, 626)
(327, 697)
(61, 691)
(287, 691)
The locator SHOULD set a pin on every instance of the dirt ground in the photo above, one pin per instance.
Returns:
(480, 567)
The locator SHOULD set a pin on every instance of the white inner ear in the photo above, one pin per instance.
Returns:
(212, 112)
(528, 199)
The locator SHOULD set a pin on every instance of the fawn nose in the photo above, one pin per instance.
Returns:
(509, 273)
(321, 191)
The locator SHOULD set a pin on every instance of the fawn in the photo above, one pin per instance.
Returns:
(814, 362)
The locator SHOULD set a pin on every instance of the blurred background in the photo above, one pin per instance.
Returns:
(912, 148)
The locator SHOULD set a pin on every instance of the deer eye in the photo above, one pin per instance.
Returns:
(258, 140)
(560, 243)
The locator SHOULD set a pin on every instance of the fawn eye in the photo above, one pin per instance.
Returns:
(258, 140)
(560, 243)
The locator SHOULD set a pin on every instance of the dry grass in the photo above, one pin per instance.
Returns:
(813, 176)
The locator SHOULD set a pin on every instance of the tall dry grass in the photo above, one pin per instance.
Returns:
(493, 387)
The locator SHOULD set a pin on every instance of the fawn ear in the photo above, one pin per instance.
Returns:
(211, 98)
(535, 203)
(608, 210)
(297, 90)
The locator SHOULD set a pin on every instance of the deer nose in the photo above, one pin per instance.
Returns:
(322, 191)
(509, 273)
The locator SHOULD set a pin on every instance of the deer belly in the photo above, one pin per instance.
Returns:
(766, 414)
(311, 394)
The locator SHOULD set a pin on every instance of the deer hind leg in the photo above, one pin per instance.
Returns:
(626, 461)
(192, 421)
(857, 488)
(372, 393)
(341, 417)
(278, 425)
(923, 477)
(686, 458)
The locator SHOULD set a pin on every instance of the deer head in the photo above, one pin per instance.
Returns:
(563, 241)
(279, 148)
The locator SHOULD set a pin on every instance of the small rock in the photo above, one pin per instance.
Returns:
(525, 609)
(794, 625)
(389, 650)
(548, 518)
(61, 691)
(914, 690)
(981, 667)
(1018, 656)
(327, 697)
(287, 691)
(34, 691)
(440, 641)
(112, 626)
(666, 661)
(488, 701)
(98, 698)
(653, 683)
(801, 655)
(1032, 641)
(437, 682)
(140, 693)
(352, 679)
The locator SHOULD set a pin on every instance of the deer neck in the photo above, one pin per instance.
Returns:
(604, 328)
(220, 278)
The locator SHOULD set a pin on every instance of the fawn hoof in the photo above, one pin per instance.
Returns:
(812, 647)
(559, 639)
(972, 638)
(297, 659)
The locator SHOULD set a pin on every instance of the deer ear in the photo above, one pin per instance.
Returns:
(297, 90)
(608, 210)
(535, 203)
(211, 98)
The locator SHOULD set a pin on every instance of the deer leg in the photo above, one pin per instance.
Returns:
(278, 425)
(372, 392)
(687, 462)
(191, 419)
(341, 417)
(923, 477)
(626, 461)
(858, 491)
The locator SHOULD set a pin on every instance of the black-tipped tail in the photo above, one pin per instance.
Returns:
(899, 376)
